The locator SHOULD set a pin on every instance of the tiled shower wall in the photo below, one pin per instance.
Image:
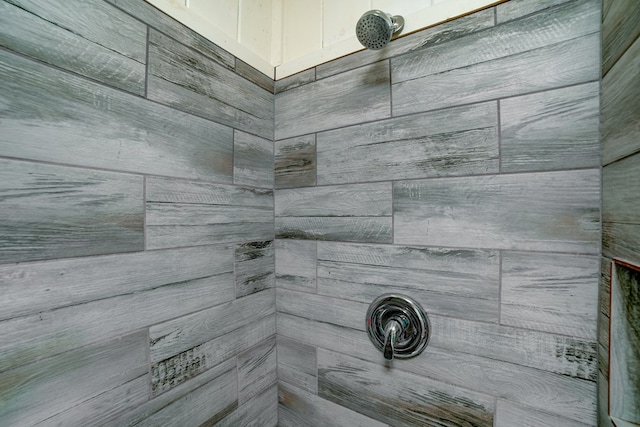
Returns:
(460, 166)
(620, 107)
(136, 222)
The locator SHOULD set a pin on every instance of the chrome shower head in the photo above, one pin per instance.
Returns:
(375, 28)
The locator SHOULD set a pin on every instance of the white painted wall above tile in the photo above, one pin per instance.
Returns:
(293, 35)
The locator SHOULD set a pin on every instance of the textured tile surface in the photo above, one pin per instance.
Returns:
(556, 211)
(455, 141)
(295, 162)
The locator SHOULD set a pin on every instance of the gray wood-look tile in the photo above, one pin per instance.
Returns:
(620, 107)
(557, 129)
(58, 212)
(181, 368)
(189, 81)
(298, 79)
(295, 162)
(184, 213)
(619, 30)
(624, 362)
(509, 414)
(299, 408)
(564, 355)
(252, 160)
(257, 370)
(261, 411)
(355, 96)
(620, 240)
(574, 61)
(31, 338)
(150, 407)
(455, 141)
(203, 406)
(551, 392)
(181, 334)
(54, 116)
(550, 292)
(515, 9)
(620, 184)
(248, 72)
(154, 17)
(441, 33)
(297, 364)
(356, 212)
(296, 264)
(34, 392)
(573, 20)
(78, 36)
(35, 287)
(395, 397)
(549, 211)
(460, 283)
(254, 267)
(104, 410)
(322, 308)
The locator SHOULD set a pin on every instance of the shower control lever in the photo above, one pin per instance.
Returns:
(397, 326)
(392, 330)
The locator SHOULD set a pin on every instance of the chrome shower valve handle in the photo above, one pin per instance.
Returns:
(397, 326)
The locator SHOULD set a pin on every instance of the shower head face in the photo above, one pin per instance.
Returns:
(375, 28)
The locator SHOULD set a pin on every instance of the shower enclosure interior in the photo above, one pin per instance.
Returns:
(187, 242)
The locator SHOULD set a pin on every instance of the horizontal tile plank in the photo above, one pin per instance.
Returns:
(261, 411)
(509, 414)
(621, 241)
(34, 392)
(295, 264)
(252, 160)
(150, 407)
(395, 397)
(305, 109)
(550, 292)
(254, 267)
(60, 212)
(619, 107)
(322, 308)
(295, 162)
(297, 364)
(248, 72)
(299, 408)
(106, 409)
(555, 393)
(619, 30)
(620, 203)
(178, 335)
(298, 79)
(441, 33)
(202, 406)
(159, 20)
(182, 213)
(257, 370)
(357, 212)
(576, 61)
(550, 211)
(41, 286)
(515, 9)
(78, 36)
(460, 283)
(189, 81)
(53, 116)
(181, 368)
(557, 129)
(456, 141)
(570, 21)
(32, 338)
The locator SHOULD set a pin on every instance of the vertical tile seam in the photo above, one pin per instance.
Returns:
(147, 67)
(390, 91)
(144, 212)
(500, 256)
(499, 123)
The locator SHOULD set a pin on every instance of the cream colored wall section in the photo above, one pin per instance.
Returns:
(293, 35)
